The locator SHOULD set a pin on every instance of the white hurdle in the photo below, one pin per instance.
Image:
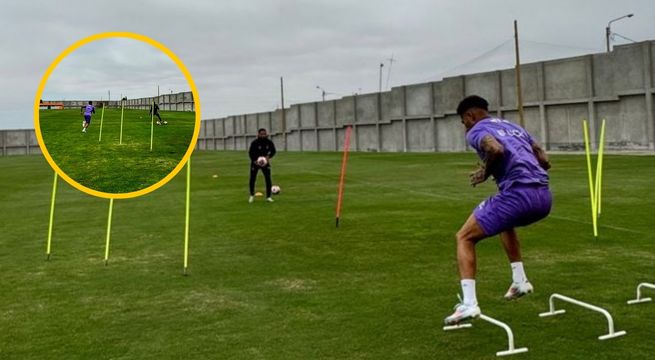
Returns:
(510, 335)
(639, 299)
(610, 322)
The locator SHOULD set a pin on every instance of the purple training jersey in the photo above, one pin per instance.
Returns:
(519, 165)
(88, 110)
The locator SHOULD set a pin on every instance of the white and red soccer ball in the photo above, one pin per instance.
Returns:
(275, 190)
(261, 161)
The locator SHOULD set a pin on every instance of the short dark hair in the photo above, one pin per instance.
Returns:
(260, 130)
(470, 102)
(90, 102)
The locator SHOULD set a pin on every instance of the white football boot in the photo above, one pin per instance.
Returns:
(251, 199)
(270, 200)
(517, 290)
(462, 312)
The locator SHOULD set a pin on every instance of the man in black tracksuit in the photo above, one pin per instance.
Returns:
(261, 146)
(154, 107)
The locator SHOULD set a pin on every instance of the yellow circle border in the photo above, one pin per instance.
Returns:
(68, 51)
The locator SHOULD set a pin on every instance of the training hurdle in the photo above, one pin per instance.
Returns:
(610, 322)
(510, 335)
(639, 299)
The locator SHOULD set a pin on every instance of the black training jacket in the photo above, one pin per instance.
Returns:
(261, 147)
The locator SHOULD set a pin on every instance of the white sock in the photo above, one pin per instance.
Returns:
(518, 274)
(468, 289)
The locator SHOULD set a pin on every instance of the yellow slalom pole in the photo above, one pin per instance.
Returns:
(111, 209)
(186, 225)
(102, 116)
(120, 140)
(591, 182)
(599, 170)
(52, 216)
(152, 123)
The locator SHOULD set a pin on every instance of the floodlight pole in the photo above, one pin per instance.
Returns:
(380, 78)
(284, 117)
(519, 93)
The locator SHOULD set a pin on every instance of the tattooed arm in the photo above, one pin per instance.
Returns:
(494, 152)
(541, 156)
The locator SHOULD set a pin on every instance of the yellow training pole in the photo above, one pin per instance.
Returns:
(186, 225)
(52, 216)
(111, 208)
(152, 123)
(120, 140)
(102, 116)
(591, 182)
(599, 170)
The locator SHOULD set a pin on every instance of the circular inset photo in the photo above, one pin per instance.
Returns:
(117, 115)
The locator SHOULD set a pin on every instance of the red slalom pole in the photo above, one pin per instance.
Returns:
(344, 161)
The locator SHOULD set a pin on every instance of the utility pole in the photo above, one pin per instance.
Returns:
(519, 94)
(380, 83)
(284, 118)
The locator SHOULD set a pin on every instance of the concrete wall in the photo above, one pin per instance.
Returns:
(557, 94)
(169, 102)
(18, 142)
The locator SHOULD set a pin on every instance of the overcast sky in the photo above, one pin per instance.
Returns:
(124, 66)
(236, 51)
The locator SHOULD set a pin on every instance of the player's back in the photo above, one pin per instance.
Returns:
(89, 109)
(519, 164)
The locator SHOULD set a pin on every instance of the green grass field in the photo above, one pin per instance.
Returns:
(278, 281)
(107, 165)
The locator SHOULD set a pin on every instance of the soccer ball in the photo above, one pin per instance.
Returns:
(261, 161)
(275, 190)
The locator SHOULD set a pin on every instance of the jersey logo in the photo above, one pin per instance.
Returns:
(510, 132)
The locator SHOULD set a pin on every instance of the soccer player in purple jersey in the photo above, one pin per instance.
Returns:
(87, 111)
(518, 165)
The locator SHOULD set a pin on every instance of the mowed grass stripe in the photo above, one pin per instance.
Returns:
(278, 281)
(107, 165)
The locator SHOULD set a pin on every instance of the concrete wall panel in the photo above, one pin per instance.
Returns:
(420, 135)
(565, 127)
(566, 79)
(529, 84)
(625, 123)
(293, 141)
(292, 115)
(345, 111)
(532, 120)
(276, 126)
(451, 134)
(251, 124)
(392, 104)
(341, 136)
(367, 138)
(419, 99)
(392, 136)
(326, 140)
(308, 116)
(485, 85)
(309, 140)
(367, 109)
(326, 114)
(452, 92)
